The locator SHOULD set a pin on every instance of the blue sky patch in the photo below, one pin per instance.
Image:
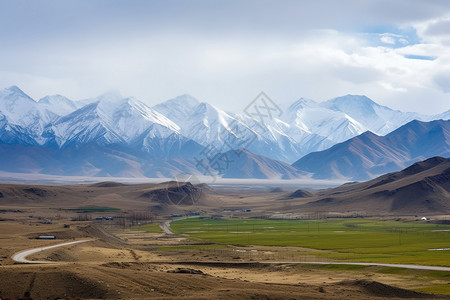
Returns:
(391, 36)
(421, 57)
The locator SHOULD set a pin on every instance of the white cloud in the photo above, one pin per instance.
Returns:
(227, 54)
(435, 30)
(442, 80)
(390, 87)
(388, 40)
(439, 27)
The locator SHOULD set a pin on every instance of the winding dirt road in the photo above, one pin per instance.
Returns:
(166, 227)
(406, 266)
(22, 256)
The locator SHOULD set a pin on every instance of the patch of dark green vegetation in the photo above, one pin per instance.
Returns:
(86, 209)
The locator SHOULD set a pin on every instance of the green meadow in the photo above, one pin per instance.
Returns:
(150, 228)
(362, 240)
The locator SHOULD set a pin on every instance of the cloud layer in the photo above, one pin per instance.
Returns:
(396, 52)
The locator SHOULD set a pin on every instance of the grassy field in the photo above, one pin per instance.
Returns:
(338, 239)
(150, 228)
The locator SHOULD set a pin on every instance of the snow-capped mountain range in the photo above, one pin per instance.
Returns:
(369, 155)
(184, 127)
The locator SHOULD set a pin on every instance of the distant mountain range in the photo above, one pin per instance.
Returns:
(369, 155)
(115, 136)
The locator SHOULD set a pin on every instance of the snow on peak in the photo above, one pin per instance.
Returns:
(110, 96)
(352, 104)
(112, 120)
(14, 88)
(130, 117)
(53, 99)
(353, 98)
(21, 110)
(13, 93)
(58, 104)
(376, 118)
(302, 103)
(150, 114)
(186, 100)
(443, 116)
(178, 109)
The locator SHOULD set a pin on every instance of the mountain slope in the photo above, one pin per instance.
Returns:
(22, 111)
(113, 120)
(374, 117)
(242, 163)
(209, 126)
(90, 160)
(13, 134)
(59, 105)
(179, 109)
(369, 155)
(422, 188)
(309, 116)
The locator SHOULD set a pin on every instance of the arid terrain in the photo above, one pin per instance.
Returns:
(121, 260)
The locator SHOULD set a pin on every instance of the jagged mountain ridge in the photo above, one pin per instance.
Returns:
(184, 127)
(304, 127)
(369, 155)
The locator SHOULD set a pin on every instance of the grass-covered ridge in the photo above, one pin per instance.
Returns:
(341, 239)
(150, 228)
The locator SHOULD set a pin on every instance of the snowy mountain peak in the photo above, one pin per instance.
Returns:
(353, 98)
(112, 120)
(181, 103)
(59, 105)
(302, 103)
(376, 118)
(54, 99)
(110, 96)
(351, 102)
(14, 92)
(178, 109)
(205, 108)
(443, 116)
(15, 89)
(211, 115)
(186, 100)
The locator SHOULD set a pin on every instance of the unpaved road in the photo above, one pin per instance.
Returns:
(166, 227)
(22, 256)
(417, 267)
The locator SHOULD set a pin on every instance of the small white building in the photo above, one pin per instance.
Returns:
(424, 219)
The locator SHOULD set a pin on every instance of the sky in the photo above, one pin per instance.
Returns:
(226, 52)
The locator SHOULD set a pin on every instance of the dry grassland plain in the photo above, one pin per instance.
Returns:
(232, 256)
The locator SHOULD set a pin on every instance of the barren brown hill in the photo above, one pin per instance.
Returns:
(162, 197)
(421, 188)
(178, 193)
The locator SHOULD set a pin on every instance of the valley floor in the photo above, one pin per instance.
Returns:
(132, 263)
